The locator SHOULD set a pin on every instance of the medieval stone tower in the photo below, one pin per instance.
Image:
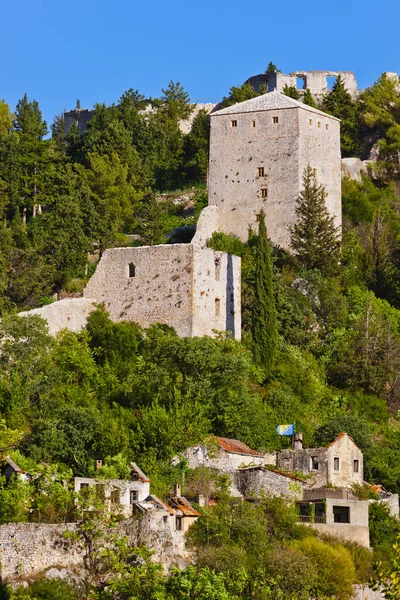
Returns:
(258, 152)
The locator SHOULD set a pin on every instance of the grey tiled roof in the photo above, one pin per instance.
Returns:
(270, 101)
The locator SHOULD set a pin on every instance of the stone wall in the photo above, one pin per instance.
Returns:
(255, 482)
(283, 149)
(347, 452)
(193, 289)
(70, 313)
(354, 168)
(301, 462)
(29, 550)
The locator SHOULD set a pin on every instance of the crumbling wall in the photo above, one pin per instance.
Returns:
(300, 461)
(255, 482)
(70, 313)
(315, 81)
(29, 550)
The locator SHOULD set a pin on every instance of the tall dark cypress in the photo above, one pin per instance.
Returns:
(265, 332)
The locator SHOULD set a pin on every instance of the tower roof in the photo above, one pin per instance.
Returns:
(270, 101)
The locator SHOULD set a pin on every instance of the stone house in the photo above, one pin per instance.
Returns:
(259, 480)
(340, 464)
(118, 494)
(11, 468)
(258, 152)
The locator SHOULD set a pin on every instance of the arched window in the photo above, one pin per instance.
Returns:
(217, 263)
(217, 307)
(132, 270)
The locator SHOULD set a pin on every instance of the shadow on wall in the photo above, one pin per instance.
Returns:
(230, 297)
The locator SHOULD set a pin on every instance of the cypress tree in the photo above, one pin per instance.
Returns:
(339, 103)
(265, 331)
(315, 238)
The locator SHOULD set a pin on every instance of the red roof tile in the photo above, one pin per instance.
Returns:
(236, 447)
(142, 477)
(180, 503)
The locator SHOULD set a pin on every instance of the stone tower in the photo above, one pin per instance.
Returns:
(258, 152)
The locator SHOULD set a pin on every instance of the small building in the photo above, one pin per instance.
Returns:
(118, 494)
(336, 512)
(339, 464)
(11, 468)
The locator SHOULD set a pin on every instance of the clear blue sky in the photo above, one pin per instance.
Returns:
(96, 49)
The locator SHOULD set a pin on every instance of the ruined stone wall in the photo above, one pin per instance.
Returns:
(82, 116)
(70, 313)
(176, 284)
(283, 149)
(29, 550)
(315, 81)
(254, 482)
(301, 462)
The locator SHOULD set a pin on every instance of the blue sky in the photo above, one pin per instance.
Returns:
(96, 49)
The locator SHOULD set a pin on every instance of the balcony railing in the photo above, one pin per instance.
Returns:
(307, 519)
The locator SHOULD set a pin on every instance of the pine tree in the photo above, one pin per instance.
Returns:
(291, 91)
(315, 239)
(339, 103)
(308, 99)
(265, 332)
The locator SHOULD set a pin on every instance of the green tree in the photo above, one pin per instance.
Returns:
(314, 236)
(308, 99)
(265, 333)
(291, 91)
(339, 103)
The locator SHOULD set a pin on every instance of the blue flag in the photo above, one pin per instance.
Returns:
(285, 430)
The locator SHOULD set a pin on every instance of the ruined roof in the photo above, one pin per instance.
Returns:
(263, 468)
(13, 465)
(152, 502)
(236, 447)
(180, 503)
(143, 478)
(270, 101)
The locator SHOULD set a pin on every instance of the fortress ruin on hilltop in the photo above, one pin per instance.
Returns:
(258, 152)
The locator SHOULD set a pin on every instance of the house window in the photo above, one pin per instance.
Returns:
(178, 523)
(217, 307)
(101, 491)
(336, 464)
(132, 270)
(115, 497)
(253, 123)
(133, 496)
(314, 173)
(310, 121)
(327, 126)
(319, 124)
(234, 123)
(257, 217)
(356, 466)
(314, 463)
(275, 119)
(264, 193)
(83, 486)
(341, 514)
(260, 172)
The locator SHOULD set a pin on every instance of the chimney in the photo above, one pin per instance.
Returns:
(98, 464)
(177, 490)
(298, 441)
(201, 500)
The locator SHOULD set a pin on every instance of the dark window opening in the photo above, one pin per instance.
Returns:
(327, 126)
(275, 119)
(314, 464)
(132, 270)
(264, 193)
(356, 466)
(234, 123)
(257, 217)
(217, 264)
(178, 523)
(101, 491)
(253, 123)
(260, 172)
(217, 307)
(133, 496)
(83, 486)
(115, 497)
(341, 514)
(336, 464)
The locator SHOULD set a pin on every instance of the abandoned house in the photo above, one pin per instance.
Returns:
(118, 494)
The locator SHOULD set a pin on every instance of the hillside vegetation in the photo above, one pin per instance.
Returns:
(331, 330)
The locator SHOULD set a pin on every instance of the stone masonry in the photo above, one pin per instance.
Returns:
(258, 152)
(195, 290)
